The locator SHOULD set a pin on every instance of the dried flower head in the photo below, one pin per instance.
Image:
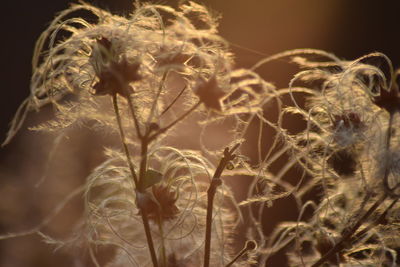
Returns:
(114, 73)
(124, 56)
(154, 202)
(210, 93)
(159, 204)
(348, 154)
(176, 207)
(138, 58)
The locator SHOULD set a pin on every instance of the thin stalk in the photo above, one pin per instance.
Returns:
(142, 176)
(173, 101)
(250, 245)
(143, 165)
(240, 254)
(143, 161)
(386, 186)
(150, 243)
(154, 104)
(372, 225)
(122, 135)
(135, 119)
(215, 182)
(172, 124)
(163, 254)
(350, 232)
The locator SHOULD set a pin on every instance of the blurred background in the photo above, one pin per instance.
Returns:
(255, 29)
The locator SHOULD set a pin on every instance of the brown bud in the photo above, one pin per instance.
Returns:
(160, 204)
(210, 93)
(389, 100)
(115, 76)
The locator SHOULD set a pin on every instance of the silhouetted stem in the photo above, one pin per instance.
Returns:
(154, 104)
(173, 101)
(122, 135)
(250, 245)
(135, 119)
(142, 176)
(150, 243)
(215, 182)
(143, 160)
(143, 165)
(172, 124)
(162, 252)
(240, 254)
(381, 217)
(388, 189)
(350, 233)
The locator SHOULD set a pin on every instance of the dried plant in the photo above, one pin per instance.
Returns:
(151, 202)
(347, 152)
(146, 78)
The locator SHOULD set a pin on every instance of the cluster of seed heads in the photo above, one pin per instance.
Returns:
(140, 78)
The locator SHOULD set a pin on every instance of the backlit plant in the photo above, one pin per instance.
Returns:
(145, 79)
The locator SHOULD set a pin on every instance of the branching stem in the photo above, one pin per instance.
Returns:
(143, 168)
(250, 245)
(172, 124)
(135, 119)
(123, 140)
(349, 234)
(157, 97)
(173, 101)
(381, 217)
(143, 211)
(149, 238)
(215, 182)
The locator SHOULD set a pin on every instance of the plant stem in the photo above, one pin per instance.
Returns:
(215, 182)
(166, 128)
(389, 190)
(349, 233)
(143, 160)
(381, 217)
(173, 101)
(163, 255)
(143, 167)
(240, 254)
(150, 243)
(154, 104)
(250, 245)
(122, 135)
(135, 119)
(142, 176)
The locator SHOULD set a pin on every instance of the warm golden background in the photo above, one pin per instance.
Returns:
(254, 27)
